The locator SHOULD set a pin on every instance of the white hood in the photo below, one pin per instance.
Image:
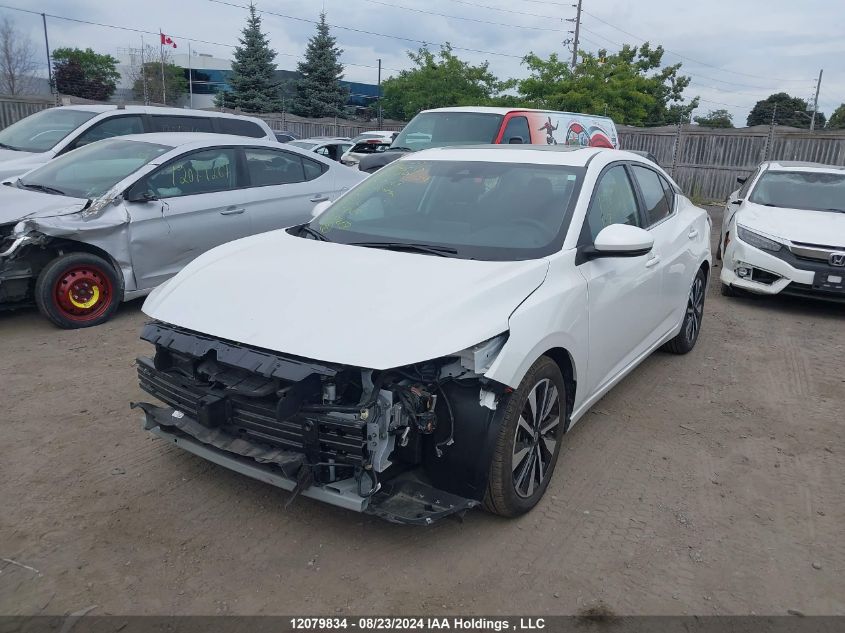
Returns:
(15, 163)
(826, 228)
(344, 304)
(17, 204)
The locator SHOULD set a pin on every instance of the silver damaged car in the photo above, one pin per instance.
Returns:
(112, 220)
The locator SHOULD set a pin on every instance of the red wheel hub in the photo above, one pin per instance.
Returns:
(83, 293)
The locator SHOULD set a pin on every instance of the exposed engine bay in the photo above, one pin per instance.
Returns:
(408, 444)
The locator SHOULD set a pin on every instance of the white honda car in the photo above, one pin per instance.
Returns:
(784, 232)
(423, 344)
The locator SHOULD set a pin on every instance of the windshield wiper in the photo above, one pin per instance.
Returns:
(43, 188)
(4, 146)
(430, 249)
(399, 149)
(317, 235)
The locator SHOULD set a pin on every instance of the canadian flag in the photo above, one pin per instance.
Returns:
(166, 40)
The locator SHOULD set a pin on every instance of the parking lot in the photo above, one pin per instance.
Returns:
(710, 483)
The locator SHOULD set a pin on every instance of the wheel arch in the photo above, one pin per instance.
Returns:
(64, 246)
(563, 359)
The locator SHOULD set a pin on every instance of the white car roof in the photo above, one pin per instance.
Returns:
(497, 110)
(794, 165)
(178, 139)
(534, 154)
(100, 109)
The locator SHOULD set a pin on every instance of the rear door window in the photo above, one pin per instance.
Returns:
(240, 127)
(167, 123)
(273, 167)
(113, 126)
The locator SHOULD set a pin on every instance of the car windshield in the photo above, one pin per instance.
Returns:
(474, 210)
(440, 129)
(810, 190)
(92, 170)
(302, 145)
(42, 130)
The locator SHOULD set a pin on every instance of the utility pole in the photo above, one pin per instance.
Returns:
(190, 79)
(816, 101)
(380, 116)
(577, 33)
(49, 61)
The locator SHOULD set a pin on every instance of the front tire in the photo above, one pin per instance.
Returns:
(529, 441)
(691, 327)
(78, 290)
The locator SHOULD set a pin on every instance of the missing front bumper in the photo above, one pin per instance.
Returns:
(404, 500)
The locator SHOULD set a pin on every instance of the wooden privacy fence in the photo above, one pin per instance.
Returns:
(307, 128)
(13, 108)
(706, 162)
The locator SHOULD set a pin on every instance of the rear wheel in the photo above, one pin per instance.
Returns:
(529, 441)
(691, 327)
(78, 290)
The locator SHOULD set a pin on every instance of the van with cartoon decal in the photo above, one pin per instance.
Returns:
(469, 125)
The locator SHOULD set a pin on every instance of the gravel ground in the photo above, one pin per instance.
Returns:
(704, 484)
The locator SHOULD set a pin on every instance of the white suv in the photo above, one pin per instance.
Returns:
(44, 135)
(784, 232)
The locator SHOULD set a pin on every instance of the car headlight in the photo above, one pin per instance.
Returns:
(758, 241)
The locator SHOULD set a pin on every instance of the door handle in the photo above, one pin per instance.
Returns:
(653, 261)
(233, 211)
(693, 233)
(319, 198)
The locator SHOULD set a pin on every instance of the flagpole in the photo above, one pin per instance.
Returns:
(161, 57)
(144, 74)
(190, 79)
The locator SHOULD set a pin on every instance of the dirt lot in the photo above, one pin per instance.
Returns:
(710, 483)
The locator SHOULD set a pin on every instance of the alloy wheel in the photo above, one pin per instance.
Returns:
(695, 309)
(537, 434)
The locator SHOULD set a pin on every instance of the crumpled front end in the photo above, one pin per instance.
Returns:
(410, 445)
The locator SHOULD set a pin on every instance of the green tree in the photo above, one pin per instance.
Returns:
(174, 82)
(84, 73)
(319, 92)
(630, 86)
(716, 118)
(791, 111)
(438, 81)
(837, 119)
(253, 78)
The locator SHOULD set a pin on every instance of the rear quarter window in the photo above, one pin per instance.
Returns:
(240, 128)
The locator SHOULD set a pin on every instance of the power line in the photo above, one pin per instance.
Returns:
(689, 59)
(156, 33)
(424, 43)
(393, 5)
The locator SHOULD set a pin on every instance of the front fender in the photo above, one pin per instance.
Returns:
(554, 316)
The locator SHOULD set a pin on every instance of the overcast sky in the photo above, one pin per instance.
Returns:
(743, 50)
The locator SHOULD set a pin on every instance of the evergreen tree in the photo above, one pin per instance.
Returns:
(318, 91)
(253, 79)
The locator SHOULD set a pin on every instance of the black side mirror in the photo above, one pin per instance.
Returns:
(515, 140)
(737, 201)
(140, 195)
(741, 180)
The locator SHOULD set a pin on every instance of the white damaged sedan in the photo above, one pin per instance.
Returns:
(421, 347)
(783, 231)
